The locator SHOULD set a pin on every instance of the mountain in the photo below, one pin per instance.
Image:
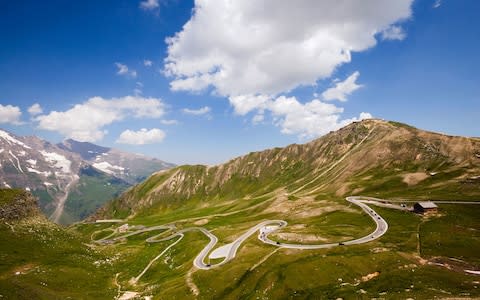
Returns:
(130, 167)
(373, 157)
(273, 224)
(70, 181)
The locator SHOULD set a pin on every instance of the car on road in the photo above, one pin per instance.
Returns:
(341, 244)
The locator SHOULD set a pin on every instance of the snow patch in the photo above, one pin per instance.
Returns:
(59, 161)
(11, 139)
(18, 162)
(7, 185)
(22, 153)
(472, 272)
(48, 183)
(27, 189)
(1, 150)
(32, 170)
(32, 162)
(107, 167)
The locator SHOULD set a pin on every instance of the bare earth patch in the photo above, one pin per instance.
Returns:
(304, 207)
(201, 222)
(299, 237)
(370, 276)
(414, 178)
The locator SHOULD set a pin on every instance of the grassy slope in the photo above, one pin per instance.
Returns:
(263, 190)
(91, 192)
(377, 168)
(39, 260)
(7, 196)
(314, 274)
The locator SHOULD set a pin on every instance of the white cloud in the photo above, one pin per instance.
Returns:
(393, 33)
(244, 104)
(169, 122)
(123, 70)
(258, 118)
(86, 121)
(239, 49)
(147, 63)
(254, 58)
(10, 114)
(437, 3)
(138, 90)
(149, 4)
(342, 89)
(307, 120)
(141, 137)
(201, 111)
(35, 109)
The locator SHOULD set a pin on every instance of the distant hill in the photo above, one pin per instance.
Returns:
(71, 179)
(371, 157)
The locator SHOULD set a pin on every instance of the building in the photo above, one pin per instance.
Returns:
(425, 207)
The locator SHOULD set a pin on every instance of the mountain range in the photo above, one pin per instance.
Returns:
(71, 179)
(329, 219)
(374, 157)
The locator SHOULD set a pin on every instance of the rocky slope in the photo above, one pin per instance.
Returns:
(69, 183)
(130, 167)
(372, 157)
(16, 204)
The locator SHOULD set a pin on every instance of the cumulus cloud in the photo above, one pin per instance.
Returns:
(122, 69)
(342, 89)
(141, 137)
(197, 112)
(149, 4)
(86, 121)
(35, 109)
(393, 33)
(147, 63)
(239, 49)
(252, 57)
(10, 114)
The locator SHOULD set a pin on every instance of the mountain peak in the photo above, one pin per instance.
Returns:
(85, 149)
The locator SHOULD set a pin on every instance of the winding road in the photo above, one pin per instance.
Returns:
(228, 251)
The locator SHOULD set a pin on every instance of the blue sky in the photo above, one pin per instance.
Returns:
(238, 77)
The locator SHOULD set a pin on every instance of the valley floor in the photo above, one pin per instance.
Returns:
(154, 258)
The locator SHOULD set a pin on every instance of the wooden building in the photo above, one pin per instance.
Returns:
(425, 207)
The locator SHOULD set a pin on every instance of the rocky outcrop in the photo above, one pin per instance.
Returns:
(17, 204)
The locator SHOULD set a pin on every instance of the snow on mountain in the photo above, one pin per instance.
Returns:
(62, 177)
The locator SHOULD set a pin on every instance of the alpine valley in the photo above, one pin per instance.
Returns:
(334, 218)
(71, 179)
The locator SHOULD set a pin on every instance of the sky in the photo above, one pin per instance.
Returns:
(204, 81)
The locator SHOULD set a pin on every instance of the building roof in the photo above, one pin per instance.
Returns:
(427, 204)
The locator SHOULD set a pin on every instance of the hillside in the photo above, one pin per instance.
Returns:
(71, 179)
(372, 157)
(274, 224)
(41, 260)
